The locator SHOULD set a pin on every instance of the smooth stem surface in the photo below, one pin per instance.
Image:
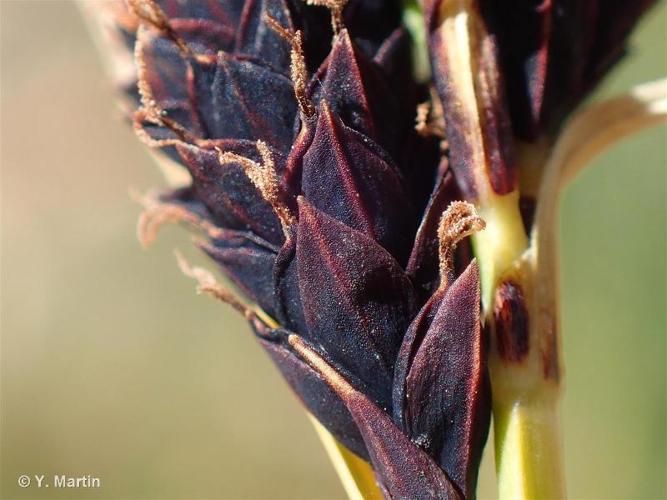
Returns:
(528, 451)
(500, 244)
(527, 439)
(587, 134)
(525, 407)
(528, 448)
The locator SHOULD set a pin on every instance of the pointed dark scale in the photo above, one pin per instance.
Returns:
(248, 261)
(289, 311)
(394, 59)
(228, 192)
(165, 63)
(345, 178)
(314, 22)
(165, 70)
(255, 38)
(169, 83)
(409, 347)
(356, 299)
(168, 75)
(403, 470)
(423, 265)
(317, 396)
(446, 398)
(180, 112)
(357, 92)
(244, 99)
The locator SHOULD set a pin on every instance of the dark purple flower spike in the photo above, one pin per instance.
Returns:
(325, 189)
(303, 187)
(440, 399)
(402, 468)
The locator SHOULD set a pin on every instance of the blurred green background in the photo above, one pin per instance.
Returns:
(112, 366)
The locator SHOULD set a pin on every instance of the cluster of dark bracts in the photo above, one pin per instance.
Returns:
(553, 52)
(310, 181)
(513, 76)
(332, 212)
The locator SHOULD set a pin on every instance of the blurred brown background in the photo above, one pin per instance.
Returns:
(112, 366)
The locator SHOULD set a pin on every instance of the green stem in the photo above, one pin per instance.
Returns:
(528, 447)
(500, 245)
(525, 400)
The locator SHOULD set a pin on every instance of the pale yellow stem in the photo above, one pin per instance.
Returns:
(500, 244)
(528, 450)
(528, 447)
(527, 441)
(588, 133)
(355, 473)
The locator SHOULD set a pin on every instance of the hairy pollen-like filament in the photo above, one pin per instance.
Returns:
(298, 70)
(158, 213)
(206, 283)
(457, 222)
(336, 8)
(264, 177)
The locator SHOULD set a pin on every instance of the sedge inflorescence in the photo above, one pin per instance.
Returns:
(329, 186)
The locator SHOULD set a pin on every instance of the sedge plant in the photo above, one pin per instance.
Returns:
(378, 181)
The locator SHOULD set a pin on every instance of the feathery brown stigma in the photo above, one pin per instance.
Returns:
(459, 221)
(263, 176)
